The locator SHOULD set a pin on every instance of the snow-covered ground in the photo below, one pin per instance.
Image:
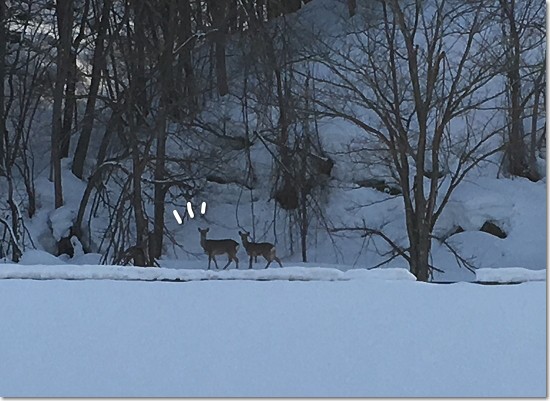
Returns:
(326, 327)
(184, 272)
(517, 206)
(68, 272)
(509, 275)
(271, 338)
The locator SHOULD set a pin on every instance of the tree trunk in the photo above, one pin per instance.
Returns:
(140, 80)
(141, 259)
(185, 62)
(3, 135)
(160, 186)
(160, 192)
(218, 11)
(289, 194)
(517, 151)
(303, 223)
(420, 253)
(16, 252)
(352, 7)
(70, 104)
(98, 64)
(113, 125)
(63, 10)
(221, 71)
(166, 83)
(534, 124)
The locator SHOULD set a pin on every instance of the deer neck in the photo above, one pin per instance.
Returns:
(246, 242)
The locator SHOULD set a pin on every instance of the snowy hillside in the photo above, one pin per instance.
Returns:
(517, 206)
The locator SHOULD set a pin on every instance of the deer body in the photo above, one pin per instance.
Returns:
(255, 249)
(213, 247)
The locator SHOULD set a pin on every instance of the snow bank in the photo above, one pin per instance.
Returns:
(61, 221)
(49, 267)
(37, 257)
(80, 272)
(353, 338)
(510, 275)
(517, 206)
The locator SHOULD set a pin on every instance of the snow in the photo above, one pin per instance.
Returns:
(86, 259)
(61, 221)
(324, 328)
(36, 257)
(510, 275)
(78, 251)
(82, 272)
(516, 205)
(362, 338)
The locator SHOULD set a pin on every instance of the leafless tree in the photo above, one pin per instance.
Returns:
(300, 167)
(98, 65)
(525, 71)
(24, 64)
(144, 92)
(65, 15)
(413, 76)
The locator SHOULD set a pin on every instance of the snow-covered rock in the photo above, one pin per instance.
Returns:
(61, 221)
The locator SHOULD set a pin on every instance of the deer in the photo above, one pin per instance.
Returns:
(213, 247)
(253, 249)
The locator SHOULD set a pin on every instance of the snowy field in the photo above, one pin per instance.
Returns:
(389, 336)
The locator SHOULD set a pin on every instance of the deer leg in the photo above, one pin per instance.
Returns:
(215, 261)
(278, 261)
(236, 259)
(209, 260)
(229, 259)
(269, 260)
(250, 263)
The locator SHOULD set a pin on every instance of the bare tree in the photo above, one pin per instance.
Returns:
(3, 44)
(64, 14)
(25, 62)
(168, 23)
(522, 40)
(143, 95)
(98, 65)
(218, 10)
(299, 165)
(413, 76)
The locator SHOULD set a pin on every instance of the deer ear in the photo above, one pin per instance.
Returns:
(199, 229)
(240, 233)
(208, 229)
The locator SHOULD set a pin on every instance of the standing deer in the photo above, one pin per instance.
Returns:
(253, 249)
(213, 247)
